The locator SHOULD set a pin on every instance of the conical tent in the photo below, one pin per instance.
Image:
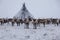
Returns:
(23, 13)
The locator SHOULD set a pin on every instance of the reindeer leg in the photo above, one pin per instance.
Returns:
(17, 24)
(34, 26)
(44, 24)
(8, 22)
(57, 24)
(1, 22)
(27, 25)
(39, 24)
(12, 23)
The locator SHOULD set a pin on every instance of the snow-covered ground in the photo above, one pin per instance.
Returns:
(50, 32)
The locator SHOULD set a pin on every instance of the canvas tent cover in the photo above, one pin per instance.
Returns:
(23, 13)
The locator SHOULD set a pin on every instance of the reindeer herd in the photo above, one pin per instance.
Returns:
(35, 22)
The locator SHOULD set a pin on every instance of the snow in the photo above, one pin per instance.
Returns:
(50, 32)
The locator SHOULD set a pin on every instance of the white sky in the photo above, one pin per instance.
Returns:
(38, 8)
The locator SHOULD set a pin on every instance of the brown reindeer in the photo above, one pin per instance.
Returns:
(13, 21)
(38, 20)
(18, 22)
(34, 22)
(30, 19)
(1, 21)
(6, 21)
(55, 21)
(59, 21)
(10, 19)
(21, 21)
(48, 21)
(42, 21)
(26, 22)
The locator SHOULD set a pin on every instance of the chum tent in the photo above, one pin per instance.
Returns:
(23, 13)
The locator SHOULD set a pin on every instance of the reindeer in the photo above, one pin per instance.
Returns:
(30, 19)
(21, 21)
(1, 21)
(10, 19)
(18, 22)
(6, 21)
(55, 21)
(38, 20)
(42, 21)
(13, 21)
(59, 21)
(47, 21)
(26, 22)
(34, 22)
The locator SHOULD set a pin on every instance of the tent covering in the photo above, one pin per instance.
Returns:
(23, 13)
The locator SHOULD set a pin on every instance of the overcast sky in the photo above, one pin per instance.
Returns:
(38, 8)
